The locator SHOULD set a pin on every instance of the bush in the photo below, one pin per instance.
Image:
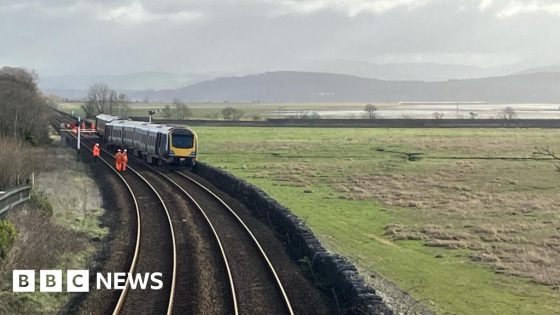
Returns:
(39, 199)
(8, 236)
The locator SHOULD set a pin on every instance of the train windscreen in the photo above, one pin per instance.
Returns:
(182, 141)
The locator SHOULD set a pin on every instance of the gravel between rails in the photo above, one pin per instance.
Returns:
(254, 283)
(156, 248)
(156, 252)
(202, 283)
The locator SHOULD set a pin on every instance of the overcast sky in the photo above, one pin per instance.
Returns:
(123, 36)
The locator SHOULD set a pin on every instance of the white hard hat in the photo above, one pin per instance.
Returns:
(124, 150)
(118, 150)
(97, 144)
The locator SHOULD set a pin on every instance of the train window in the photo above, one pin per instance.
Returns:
(181, 140)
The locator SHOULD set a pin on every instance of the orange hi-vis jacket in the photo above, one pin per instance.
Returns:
(124, 161)
(118, 161)
(96, 150)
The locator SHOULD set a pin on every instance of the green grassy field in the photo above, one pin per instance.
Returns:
(471, 228)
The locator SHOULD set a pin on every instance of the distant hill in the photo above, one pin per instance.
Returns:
(289, 86)
(132, 81)
(416, 71)
(543, 69)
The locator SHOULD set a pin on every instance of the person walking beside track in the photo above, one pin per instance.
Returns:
(96, 152)
(118, 160)
(124, 160)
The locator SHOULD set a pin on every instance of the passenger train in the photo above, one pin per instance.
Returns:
(156, 144)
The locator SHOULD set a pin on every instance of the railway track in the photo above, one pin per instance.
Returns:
(155, 249)
(257, 287)
(271, 298)
(220, 267)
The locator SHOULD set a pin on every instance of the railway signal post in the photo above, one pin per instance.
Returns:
(78, 144)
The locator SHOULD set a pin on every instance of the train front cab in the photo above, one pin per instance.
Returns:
(182, 147)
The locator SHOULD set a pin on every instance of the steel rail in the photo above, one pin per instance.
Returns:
(124, 292)
(174, 243)
(214, 232)
(255, 241)
(122, 297)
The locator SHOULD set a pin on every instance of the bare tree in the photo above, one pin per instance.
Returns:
(230, 113)
(119, 104)
(181, 109)
(103, 100)
(371, 111)
(473, 115)
(167, 112)
(549, 153)
(509, 113)
(437, 115)
(23, 109)
(97, 100)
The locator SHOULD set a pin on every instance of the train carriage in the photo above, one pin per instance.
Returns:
(157, 144)
(101, 121)
(115, 132)
(129, 130)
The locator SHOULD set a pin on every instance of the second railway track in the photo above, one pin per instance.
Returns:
(259, 290)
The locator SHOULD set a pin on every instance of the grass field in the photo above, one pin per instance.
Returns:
(70, 239)
(470, 228)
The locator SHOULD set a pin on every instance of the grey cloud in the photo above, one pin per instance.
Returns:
(240, 36)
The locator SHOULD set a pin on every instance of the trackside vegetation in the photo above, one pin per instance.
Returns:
(469, 226)
(8, 236)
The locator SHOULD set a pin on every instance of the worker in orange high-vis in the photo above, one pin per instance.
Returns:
(118, 160)
(83, 124)
(124, 160)
(96, 152)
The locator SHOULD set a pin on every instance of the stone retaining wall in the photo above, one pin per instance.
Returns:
(333, 273)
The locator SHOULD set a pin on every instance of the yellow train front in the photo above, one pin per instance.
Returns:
(156, 144)
(182, 147)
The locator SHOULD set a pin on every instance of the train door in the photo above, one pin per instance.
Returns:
(108, 136)
(158, 141)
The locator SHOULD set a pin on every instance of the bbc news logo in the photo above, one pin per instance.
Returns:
(78, 281)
